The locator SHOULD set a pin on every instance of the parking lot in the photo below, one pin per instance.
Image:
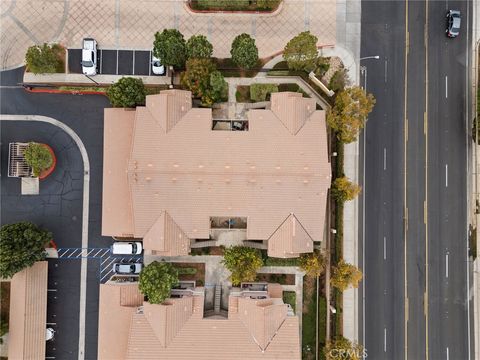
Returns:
(103, 255)
(115, 62)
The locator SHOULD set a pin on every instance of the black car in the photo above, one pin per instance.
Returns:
(453, 23)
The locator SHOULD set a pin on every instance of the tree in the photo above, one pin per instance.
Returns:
(38, 157)
(197, 76)
(345, 274)
(244, 52)
(169, 46)
(198, 47)
(127, 92)
(156, 281)
(301, 52)
(313, 263)
(343, 349)
(344, 190)
(348, 115)
(339, 80)
(217, 90)
(43, 58)
(243, 262)
(21, 245)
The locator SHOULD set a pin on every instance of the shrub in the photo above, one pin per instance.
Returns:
(259, 92)
(244, 51)
(313, 264)
(156, 281)
(301, 52)
(339, 80)
(170, 47)
(321, 66)
(127, 92)
(196, 77)
(243, 262)
(21, 245)
(44, 58)
(38, 157)
(186, 271)
(198, 47)
(344, 190)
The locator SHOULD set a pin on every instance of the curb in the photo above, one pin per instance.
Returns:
(69, 92)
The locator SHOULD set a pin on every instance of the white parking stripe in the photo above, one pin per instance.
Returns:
(133, 58)
(97, 253)
(90, 252)
(106, 259)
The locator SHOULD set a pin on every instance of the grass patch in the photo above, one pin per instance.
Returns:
(262, 92)
(234, 5)
(322, 325)
(271, 261)
(187, 271)
(190, 271)
(242, 94)
(308, 319)
(290, 297)
(83, 88)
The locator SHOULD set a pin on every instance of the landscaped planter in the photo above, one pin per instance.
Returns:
(45, 173)
(233, 6)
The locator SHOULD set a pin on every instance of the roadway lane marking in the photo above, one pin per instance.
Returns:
(446, 175)
(448, 354)
(425, 212)
(384, 158)
(384, 339)
(446, 265)
(386, 67)
(384, 248)
(446, 86)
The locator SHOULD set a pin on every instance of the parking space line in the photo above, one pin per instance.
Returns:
(65, 253)
(90, 252)
(51, 323)
(106, 259)
(150, 64)
(101, 61)
(133, 66)
(51, 289)
(117, 63)
(74, 250)
(99, 251)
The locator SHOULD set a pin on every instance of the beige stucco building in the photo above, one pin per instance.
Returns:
(170, 177)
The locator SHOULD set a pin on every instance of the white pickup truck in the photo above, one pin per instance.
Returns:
(89, 57)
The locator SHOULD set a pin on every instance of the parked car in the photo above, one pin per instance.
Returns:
(127, 269)
(453, 23)
(89, 57)
(126, 248)
(157, 67)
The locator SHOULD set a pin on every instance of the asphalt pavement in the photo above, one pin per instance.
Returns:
(57, 208)
(414, 249)
(382, 308)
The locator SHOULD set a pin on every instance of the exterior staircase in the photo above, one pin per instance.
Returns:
(218, 298)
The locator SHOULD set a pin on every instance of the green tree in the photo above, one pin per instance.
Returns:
(339, 80)
(217, 90)
(21, 245)
(343, 349)
(259, 92)
(127, 92)
(349, 112)
(244, 52)
(344, 190)
(156, 281)
(196, 77)
(313, 263)
(38, 157)
(301, 52)
(198, 47)
(44, 58)
(345, 275)
(169, 46)
(243, 262)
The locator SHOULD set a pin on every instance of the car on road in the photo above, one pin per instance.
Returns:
(126, 248)
(157, 67)
(89, 57)
(127, 269)
(453, 23)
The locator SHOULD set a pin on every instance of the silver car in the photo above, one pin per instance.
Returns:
(127, 269)
(453, 23)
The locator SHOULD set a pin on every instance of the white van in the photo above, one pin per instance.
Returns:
(126, 248)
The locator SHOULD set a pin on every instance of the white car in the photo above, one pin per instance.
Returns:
(126, 248)
(157, 67)
(127, 269)
(89, 57)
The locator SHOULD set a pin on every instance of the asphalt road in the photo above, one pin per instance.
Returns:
(415, 185)
(447, 185)
(383, 33)
(84, 114)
